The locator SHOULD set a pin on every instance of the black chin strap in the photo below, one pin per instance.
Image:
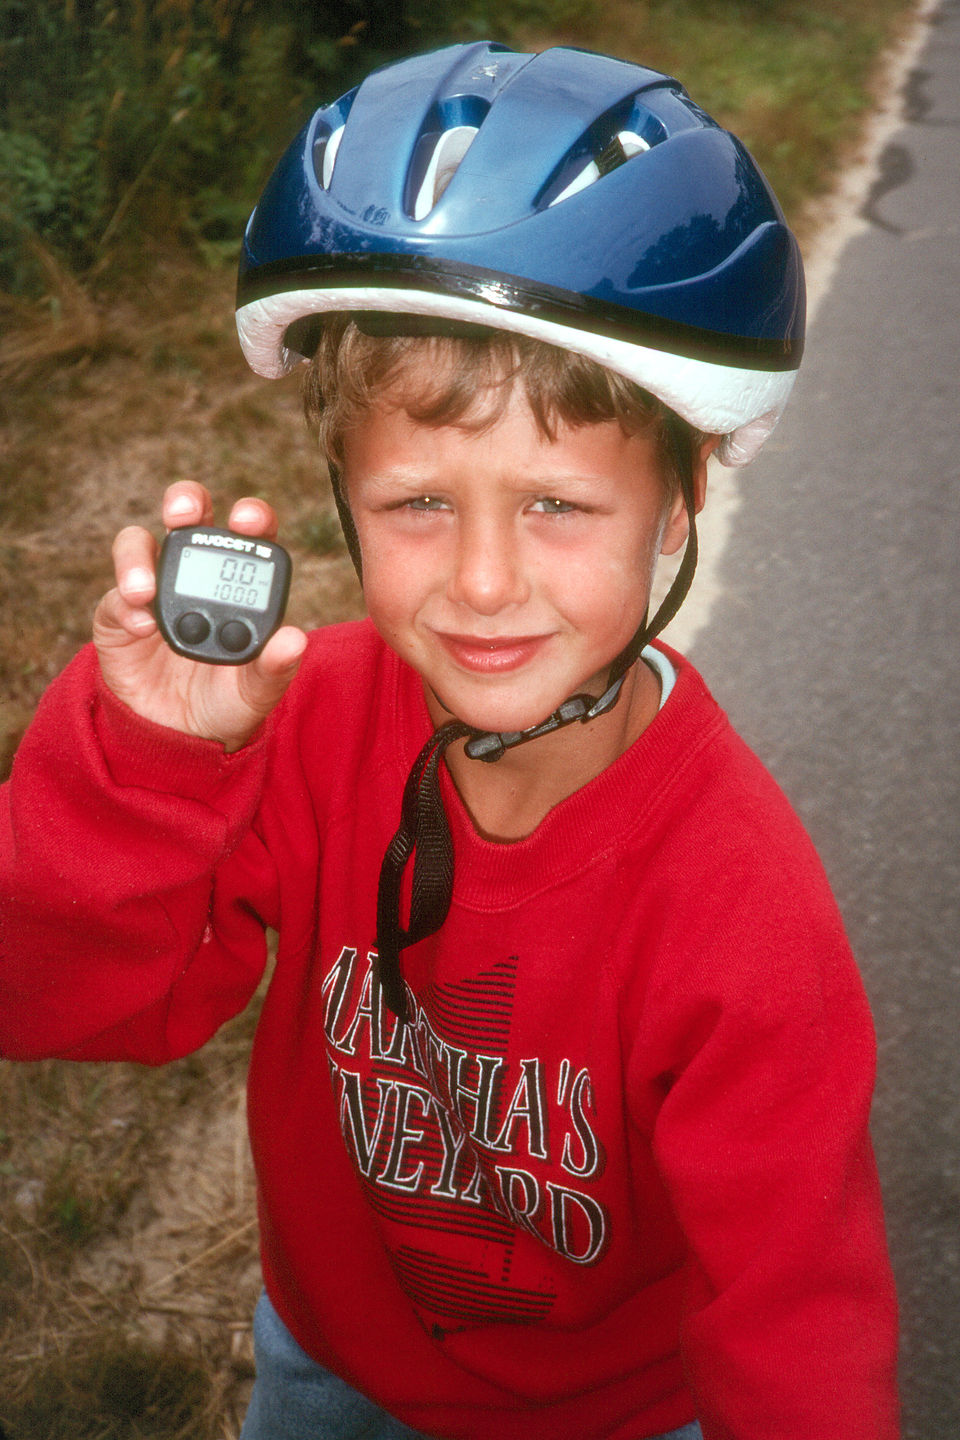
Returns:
(424, 831)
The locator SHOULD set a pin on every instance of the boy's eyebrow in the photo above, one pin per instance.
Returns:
(535, 482)
(416, 479)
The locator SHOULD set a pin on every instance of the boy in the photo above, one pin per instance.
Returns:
(561, 1129)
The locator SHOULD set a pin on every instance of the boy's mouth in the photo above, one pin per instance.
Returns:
(491, 655)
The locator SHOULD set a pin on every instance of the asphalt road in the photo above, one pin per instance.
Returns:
(833, 645)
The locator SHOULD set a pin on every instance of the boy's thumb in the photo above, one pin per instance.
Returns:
(267, 677)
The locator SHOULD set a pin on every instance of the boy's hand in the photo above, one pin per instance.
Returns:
(214, 702)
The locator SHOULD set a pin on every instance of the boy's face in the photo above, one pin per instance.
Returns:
(508, 569)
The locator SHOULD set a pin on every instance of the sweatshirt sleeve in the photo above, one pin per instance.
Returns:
(133, 888)
(766, 1067)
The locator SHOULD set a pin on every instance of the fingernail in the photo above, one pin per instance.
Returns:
(138, 579)
(245, 515)
(180, 505)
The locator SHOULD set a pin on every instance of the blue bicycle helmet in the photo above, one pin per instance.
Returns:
(568, 196)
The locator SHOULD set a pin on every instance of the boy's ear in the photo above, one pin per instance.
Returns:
(676, 527)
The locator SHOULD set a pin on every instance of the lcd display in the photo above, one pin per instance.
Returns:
(230, 579)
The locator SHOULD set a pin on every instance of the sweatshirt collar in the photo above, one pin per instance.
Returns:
(625, 803)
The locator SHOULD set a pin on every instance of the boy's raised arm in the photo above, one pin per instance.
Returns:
(133, 889)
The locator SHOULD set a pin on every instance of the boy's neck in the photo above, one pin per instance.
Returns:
(508, 799)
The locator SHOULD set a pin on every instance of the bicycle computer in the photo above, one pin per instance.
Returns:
(220, 596)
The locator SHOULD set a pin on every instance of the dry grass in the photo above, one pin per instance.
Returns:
(89, 440)
(66, 324)
(128, 1264)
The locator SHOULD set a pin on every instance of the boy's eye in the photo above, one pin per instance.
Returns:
(550, 505)
(425, 502)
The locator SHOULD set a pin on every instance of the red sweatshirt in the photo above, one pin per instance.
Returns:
(615, 1173)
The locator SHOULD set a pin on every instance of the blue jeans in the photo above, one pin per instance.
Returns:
(294, 1398)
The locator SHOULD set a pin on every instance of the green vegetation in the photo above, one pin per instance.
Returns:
(134, 137)
(123, 119)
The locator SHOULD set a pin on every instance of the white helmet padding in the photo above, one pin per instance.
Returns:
(741, 405)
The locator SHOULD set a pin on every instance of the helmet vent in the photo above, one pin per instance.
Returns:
(442, 155)
(620, 148)
(327, 135)
(325, 156)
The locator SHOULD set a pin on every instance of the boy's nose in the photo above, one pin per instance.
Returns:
(488, 574)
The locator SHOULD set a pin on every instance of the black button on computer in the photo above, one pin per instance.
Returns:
(234, 636)
(193, 628)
